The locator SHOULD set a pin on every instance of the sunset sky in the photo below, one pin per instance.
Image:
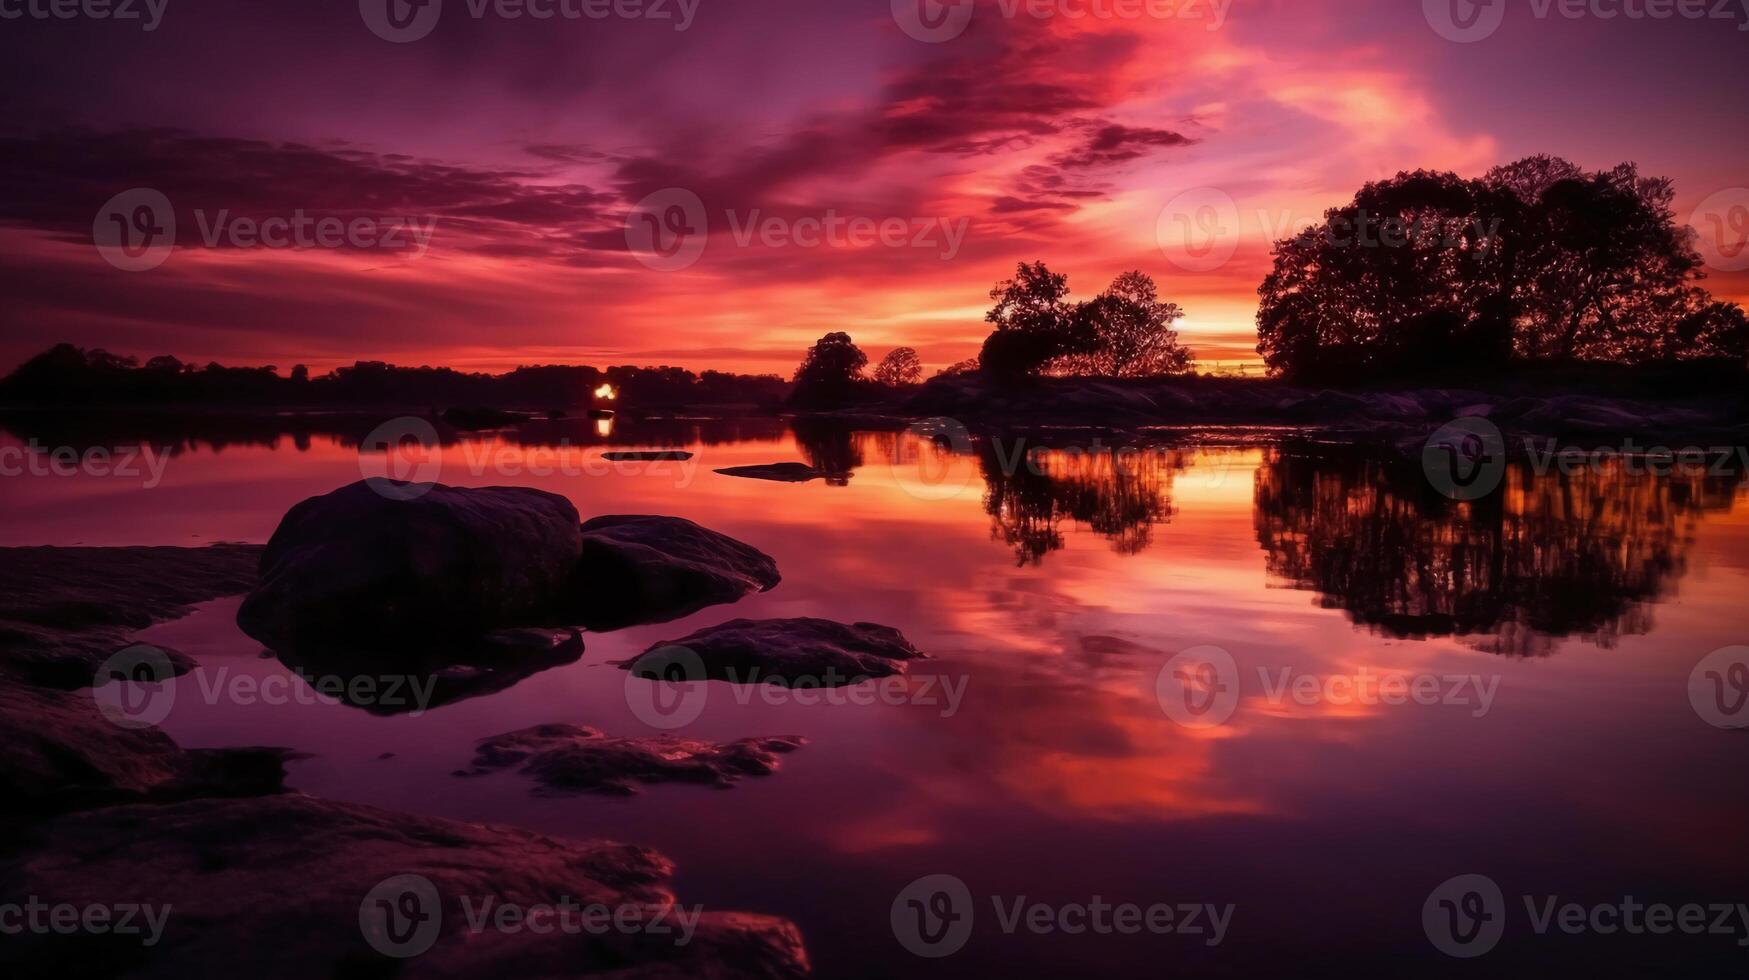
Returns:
(529, 141)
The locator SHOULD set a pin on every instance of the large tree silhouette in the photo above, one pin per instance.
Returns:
(1537, 259)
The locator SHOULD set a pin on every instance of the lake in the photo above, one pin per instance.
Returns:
(1286, 683)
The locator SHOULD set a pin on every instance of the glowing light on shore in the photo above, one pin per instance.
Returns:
(606, 392)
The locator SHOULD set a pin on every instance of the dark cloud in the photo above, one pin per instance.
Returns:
(57, 182)
(1113, 144)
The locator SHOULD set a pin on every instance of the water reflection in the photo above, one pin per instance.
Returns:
(175, 434)
(1549, 555)
(830, 447)
(1120, 493)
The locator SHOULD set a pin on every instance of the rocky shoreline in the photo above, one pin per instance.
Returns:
(271, 882)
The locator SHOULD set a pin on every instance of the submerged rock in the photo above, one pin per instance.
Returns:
(290, 886)
(63, 754)
(383, 559)
(575, 759)
(643, 569)
(778, 472)
(808, 651)
(393, 679)
(63, 611)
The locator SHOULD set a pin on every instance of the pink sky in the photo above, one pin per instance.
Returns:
(528, 141)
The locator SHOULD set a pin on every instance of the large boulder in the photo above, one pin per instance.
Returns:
(643, 569)
(386, 559)
(788, 652)
(291, 886)
(567, 759)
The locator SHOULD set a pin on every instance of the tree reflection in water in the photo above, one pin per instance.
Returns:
(830, 447)
(1120, 493)
(1546, 556)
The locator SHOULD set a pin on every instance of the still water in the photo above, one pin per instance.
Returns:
(1421, 689)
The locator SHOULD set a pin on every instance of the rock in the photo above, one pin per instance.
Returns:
(288, 886)
(640, 455)
(63, 754)
(641, 569)
(778, 472)
(788, 652)
(383, 559)
(407, 678)
(574, 759)
(63, 611)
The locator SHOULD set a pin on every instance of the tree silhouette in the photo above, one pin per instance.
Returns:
(1035, 325)
(899, 368)
(1125, 331)
(1131, 333)
(1431, 272)
(831, 372)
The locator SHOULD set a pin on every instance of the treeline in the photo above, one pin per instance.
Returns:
(69, 375)
(1538, 270)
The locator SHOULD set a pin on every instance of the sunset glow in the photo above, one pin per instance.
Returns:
(1023, 137)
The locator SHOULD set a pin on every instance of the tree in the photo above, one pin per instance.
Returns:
(967, 366)
(1131, 332)
(899, 368)
(300, 374)
(833, 360)
(1430, 272)
(831, 373)
(1035, 325)
(1406, 276)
